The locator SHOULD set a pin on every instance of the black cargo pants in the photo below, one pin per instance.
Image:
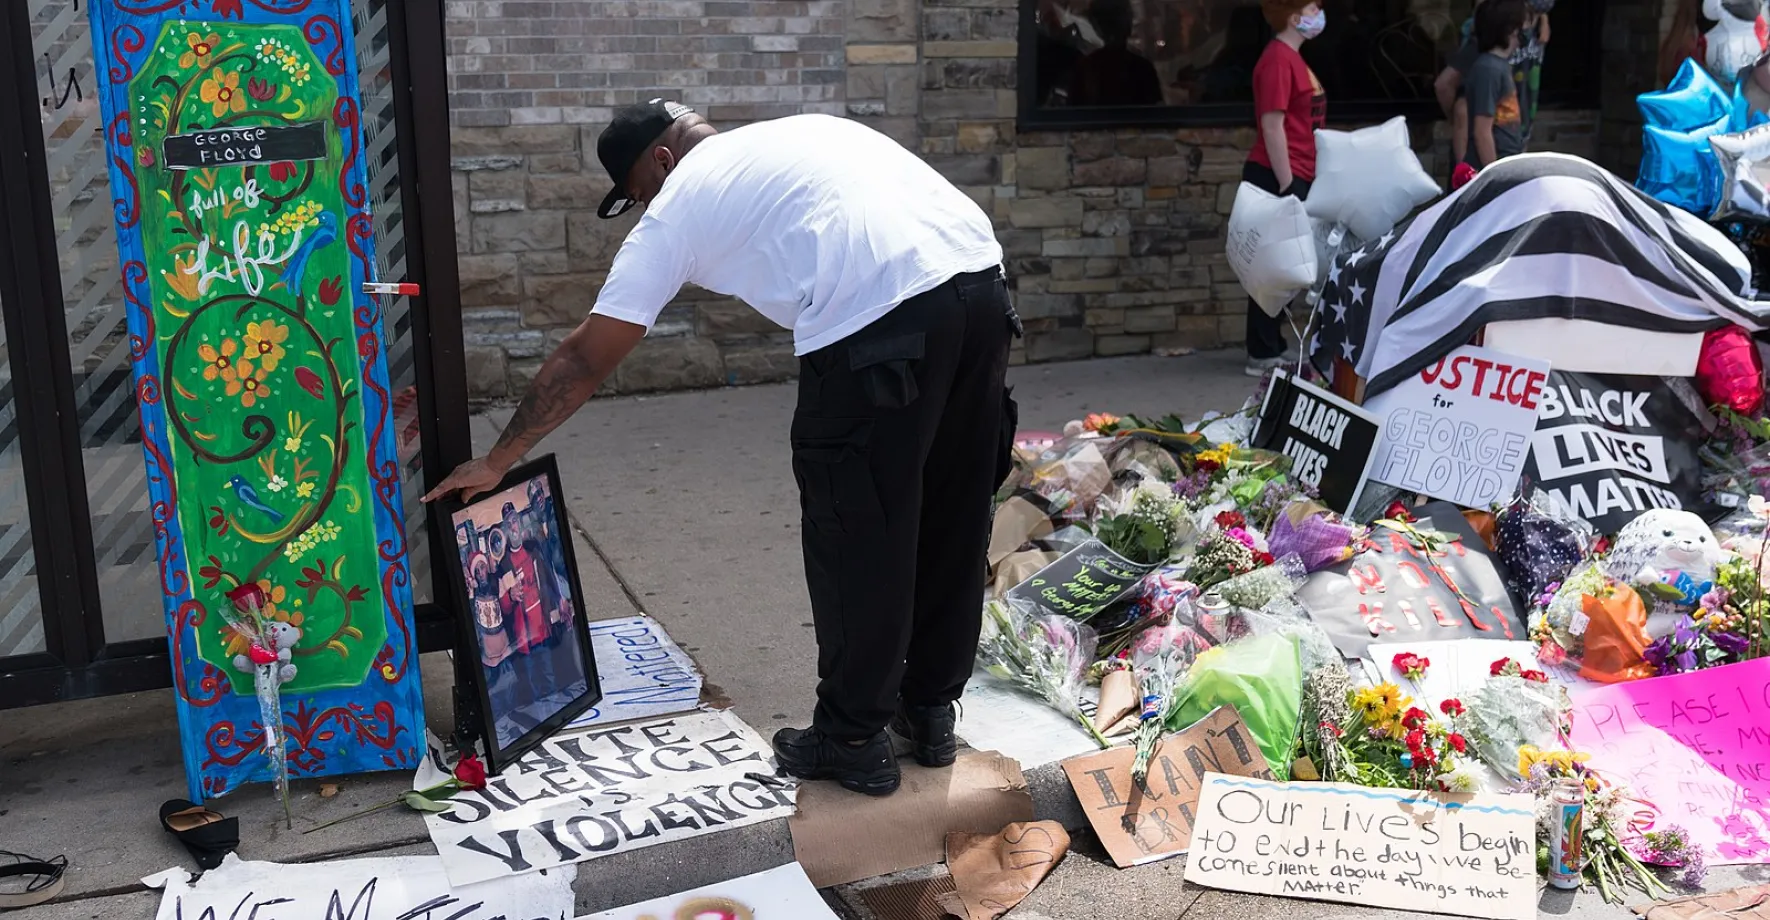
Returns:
(902, 434)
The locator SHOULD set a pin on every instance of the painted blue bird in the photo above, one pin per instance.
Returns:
(296, 266)
(249, 497)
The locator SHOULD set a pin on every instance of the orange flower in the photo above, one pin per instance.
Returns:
(202, 46)
(222, 92)
(221, 363)
(264, 343)
(249, 385)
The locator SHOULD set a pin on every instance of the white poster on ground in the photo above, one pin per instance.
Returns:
(598, 791)
(644, 674)
(1460, 430)
(778, 894)
(995, 716)
(392, 888)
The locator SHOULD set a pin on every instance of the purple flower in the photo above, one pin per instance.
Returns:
(1686, 661)
(1731, 643)
(1715, 599)
(1695, 870)
(1659, 654)
(1686, 632)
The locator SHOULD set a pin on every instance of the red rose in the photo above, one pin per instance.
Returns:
(470, 772)
(1537, 676)
(249, 597)
(1453, 707)
(1457, 743)
(1262, 557)
(260, 655)
(1415, 718)
(1498, 667)
(1411, 665)
(1228, 519)
(1397, 510)
(1601, 546)
(1208, 466)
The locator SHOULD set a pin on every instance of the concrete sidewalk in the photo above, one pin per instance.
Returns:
(686, 511)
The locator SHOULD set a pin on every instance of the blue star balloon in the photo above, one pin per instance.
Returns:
(1678, 168)
(1692, 100)
(1743, 116)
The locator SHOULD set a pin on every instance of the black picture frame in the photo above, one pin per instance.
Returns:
(505, 748)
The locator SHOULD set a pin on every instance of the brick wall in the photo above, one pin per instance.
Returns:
(1114, 238)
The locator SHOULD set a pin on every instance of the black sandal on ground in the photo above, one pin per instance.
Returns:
(207, 835)
(46, 879)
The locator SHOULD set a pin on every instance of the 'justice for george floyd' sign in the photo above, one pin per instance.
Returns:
(1329, 440)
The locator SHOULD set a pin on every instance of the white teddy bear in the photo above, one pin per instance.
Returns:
(1733, 41)
(283, 637)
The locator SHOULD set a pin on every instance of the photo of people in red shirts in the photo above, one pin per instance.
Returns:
(521, 592)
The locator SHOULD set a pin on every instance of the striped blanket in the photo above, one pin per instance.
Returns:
(1533, 236)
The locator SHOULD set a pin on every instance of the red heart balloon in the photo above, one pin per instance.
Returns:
(1730, 373)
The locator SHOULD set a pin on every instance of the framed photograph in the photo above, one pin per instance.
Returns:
(523, 623)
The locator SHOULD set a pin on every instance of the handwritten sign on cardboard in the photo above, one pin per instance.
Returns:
(387, 888)
(1460, 430)
(1330, 441)
(1695, 745)
(1143, 823)
(1473, 855)
(1391, 591)
(1082, 582)
(604, 790)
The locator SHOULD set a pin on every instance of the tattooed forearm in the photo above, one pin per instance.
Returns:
(563, 384)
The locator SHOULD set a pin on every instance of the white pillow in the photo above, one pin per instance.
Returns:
(1271, 246)
(1368, 179)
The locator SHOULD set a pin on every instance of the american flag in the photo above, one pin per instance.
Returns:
(1533, 236)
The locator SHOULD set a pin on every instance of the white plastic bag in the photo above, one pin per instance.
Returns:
(1271, 246)
(1368, 179)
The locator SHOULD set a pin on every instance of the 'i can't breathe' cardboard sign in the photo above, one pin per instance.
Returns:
(1460, 430)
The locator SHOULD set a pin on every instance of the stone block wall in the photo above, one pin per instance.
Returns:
(1114, 239)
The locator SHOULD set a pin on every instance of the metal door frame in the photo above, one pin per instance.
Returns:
(78, 661)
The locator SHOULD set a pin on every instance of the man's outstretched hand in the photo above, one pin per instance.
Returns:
(470, 479)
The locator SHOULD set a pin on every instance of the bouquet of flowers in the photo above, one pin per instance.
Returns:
(1160, 657)
(1511, 712)
(1146, 526)
(1254, 590)
(1610, 840)
(1229, 551)
(1375, 736)
(1313, 533)
(1045, 654)
(267, 653)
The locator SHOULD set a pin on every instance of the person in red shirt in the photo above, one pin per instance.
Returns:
(524, 610)
(1289, 105)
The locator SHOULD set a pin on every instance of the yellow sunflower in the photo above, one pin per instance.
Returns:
(264, 343)
(222, 92)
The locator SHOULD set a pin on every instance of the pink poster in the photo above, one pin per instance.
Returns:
(1695, 746)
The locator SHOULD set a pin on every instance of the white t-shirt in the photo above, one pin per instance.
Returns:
(820, 223)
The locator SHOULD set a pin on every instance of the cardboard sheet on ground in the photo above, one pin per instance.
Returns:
(598, 791)
(1143, 823)
(994, 716)
(993, 872)
(783, 893)
(1460, 430)
(1473, 855)
(1696, 746)
(1392, 592)
(393, 888)
(840, 837)
(644, 674)
(1749, 903)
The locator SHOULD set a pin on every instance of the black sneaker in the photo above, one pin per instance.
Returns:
(868, 768)
(930, 730)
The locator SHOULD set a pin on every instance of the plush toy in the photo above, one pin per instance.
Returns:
(1733, 43)
(1671, 548)
(283, 637)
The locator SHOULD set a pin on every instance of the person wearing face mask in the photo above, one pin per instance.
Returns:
(1496, 119)
(891, 281)
(1289, 105)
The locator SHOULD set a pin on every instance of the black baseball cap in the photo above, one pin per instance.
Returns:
(633, 131)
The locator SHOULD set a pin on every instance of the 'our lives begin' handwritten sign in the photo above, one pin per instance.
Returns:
(1082, 582)
(1695, 744)
(1473, 855)
(1460, 429)
(1329, 440)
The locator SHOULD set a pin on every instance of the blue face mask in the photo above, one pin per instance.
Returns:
(1310, 26)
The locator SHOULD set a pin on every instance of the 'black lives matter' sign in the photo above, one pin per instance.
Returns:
(247, 146)
(1610, 446)
(1329, 440)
